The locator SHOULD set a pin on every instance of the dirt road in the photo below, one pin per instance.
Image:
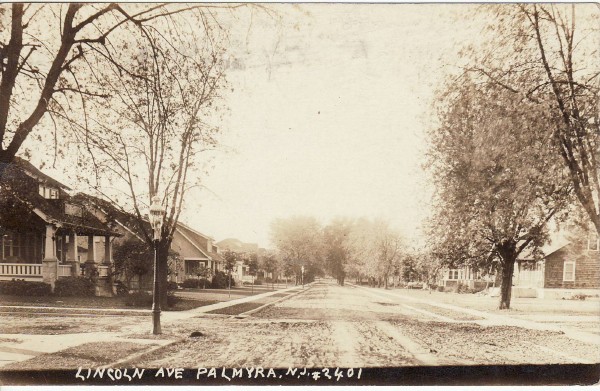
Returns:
(333, 326)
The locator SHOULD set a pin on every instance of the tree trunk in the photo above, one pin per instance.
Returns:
(163, 270)
(506, 283)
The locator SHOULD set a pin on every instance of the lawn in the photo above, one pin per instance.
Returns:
(237, 309)
(117, 302)
(87, 355)
(518, 305)
(48, 324)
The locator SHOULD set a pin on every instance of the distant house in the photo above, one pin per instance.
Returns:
(43, 229)
(241, 270)
(466, 276)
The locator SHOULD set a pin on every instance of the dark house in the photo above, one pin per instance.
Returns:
(41, 226)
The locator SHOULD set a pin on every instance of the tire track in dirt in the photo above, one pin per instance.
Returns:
(346, 336)
(422, 355)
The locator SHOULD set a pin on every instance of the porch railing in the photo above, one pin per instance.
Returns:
(65, 270)
(21, 270)
(102, 271)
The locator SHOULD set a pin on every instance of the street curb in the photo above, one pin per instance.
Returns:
(247, 313)
(134, 356)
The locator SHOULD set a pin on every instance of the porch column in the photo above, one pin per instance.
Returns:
(73, 254)
(90, 263)
(50, 262)
(108, 260)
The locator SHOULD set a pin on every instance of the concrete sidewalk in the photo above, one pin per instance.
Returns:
(490, 319)
(21, 347)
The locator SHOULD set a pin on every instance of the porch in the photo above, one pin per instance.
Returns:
(47, 252)
(466, 276)
(192, 266)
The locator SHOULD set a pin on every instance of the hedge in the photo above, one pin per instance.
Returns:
(74, 286)
(25, 288)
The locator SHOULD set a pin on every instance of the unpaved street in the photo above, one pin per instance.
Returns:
(350, 326)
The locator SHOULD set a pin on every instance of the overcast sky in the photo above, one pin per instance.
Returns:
(327, 117)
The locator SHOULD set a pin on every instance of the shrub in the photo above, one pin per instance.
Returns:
(579, 296)
(74, 286)
(462, 288)
(121, 288)
(172, 299)
(25, 288)
(138, 299)
(441, 288)
(221, 281)
(204, 283)
(190, 283)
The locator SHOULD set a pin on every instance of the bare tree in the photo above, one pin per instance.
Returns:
(147, 139)
(50, 54)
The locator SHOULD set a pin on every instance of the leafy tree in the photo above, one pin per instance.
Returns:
(337, 247)
(376, 248)
(269, 264)
(133, 258)
(498, 182)
(202, 272)
(298, 239)
(231, 258)
(546, 56)
(252, 262)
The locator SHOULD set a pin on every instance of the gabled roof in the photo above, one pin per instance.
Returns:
(195, 232)
(36, 173)
(124, 219)
(129, 222)
(237, 245)
(186, 235)
(195, 238)
(557, 241)
(20, 187)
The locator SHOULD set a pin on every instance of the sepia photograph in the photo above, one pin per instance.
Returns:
(299, 194)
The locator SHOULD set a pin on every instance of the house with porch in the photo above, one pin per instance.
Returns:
(43, 229)
(194, 248)
(241, 270)
(197, 250)
(450, 278)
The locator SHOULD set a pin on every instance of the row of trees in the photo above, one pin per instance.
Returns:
(517, 142)
(358, 248)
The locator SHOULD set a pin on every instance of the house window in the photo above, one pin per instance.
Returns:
(453, 274)
(20, 247)
(593, 242)
(569, 271)
(48, 192)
